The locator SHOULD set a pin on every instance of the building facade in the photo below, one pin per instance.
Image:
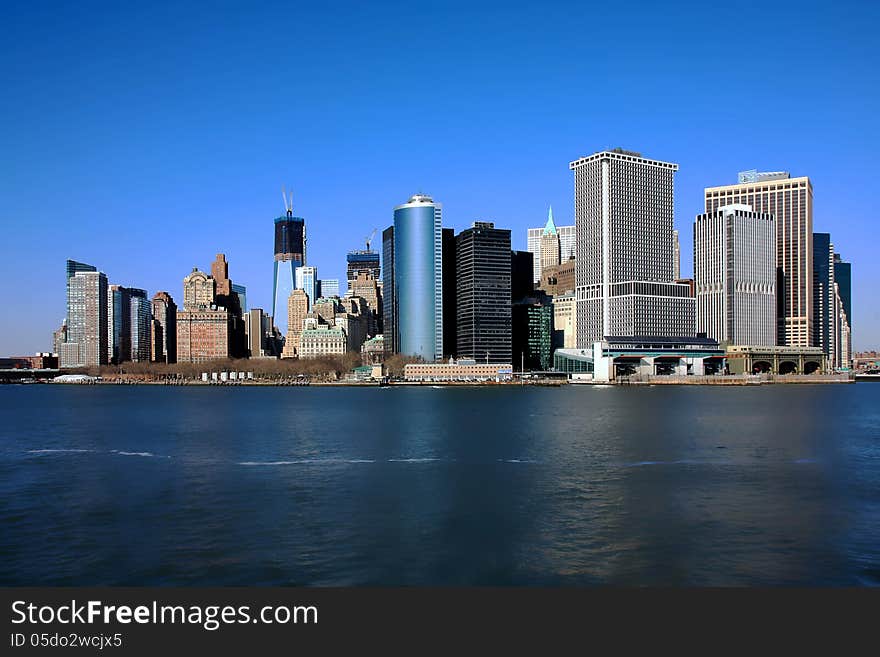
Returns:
(290, 253)
(362, 261)
(297, 309)
(417, 279)
(735, 275)
(164, 329)
(567, 244)
(564, 322)
(328, 287)
(86, 344)
(790, 201)
(389, 312)
(366, 287)
(307, 280)
(483, 297)
(532, 333)
(460, 370)
(625, 266)
(141, 318)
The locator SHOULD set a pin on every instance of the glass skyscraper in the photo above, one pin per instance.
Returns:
(290, 253)
(307, 280)
(418, 279)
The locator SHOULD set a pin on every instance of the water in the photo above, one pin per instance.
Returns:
(665, 485)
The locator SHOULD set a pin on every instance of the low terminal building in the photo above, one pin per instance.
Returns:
(461, 370)
(618, 356)
(749, 359)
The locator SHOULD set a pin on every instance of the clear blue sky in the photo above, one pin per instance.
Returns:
(146, 138)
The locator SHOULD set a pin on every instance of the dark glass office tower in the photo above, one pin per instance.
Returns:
(450, 301)
(483, 293)
(843, 278)
(389, 325)
(522, 282)
(823, 292)
(290, 253)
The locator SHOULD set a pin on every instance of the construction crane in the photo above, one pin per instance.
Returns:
(370, 239)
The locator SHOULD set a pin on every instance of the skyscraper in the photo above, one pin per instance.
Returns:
(297, 309)
(567, 237)
(389, 313)
(140, 325)
(825, 315)
(417, 279)
(843, 285)
(550, 248)
(362, 260)
(290, 253)
(118, 324)
(86, 344)
(735, 275)
(328, 287)
(307, 280)
(450, 294)
(625, 271)
(164, 329)
(483, 298)
(790, 201)
(240, 293)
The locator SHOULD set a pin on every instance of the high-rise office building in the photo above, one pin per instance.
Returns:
(735, 275)
(567, 243)
(164, 329)
(450, 295)
(550, 244)
(624, 269)
(483, 298)
(290, 253)
(141, 316)
(240, 294)
(362, 261)
(367, 288)
(521, 272)
(118, 324)
(198, 291)
(307, 280)
(532, 332)
(389, 314)
(86, 344)
(790, 201)
(843, 302)
(297, 309)
(825, 312)
(417, 279)
(328, 287)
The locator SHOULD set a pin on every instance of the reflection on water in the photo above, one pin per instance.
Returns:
(514, 485)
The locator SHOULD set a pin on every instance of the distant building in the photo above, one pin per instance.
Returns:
(321, 340)
(416, 322)
(843, 281)
(358, 262)
(389, 312)
(203, 335)
(367, 287)
(290, 253)
(118, 324)
(198, 291)
(86, 344)
(625, 269)
(297, 309)
(566, 238)
(790, 201)
(240, 292)
(450, 294)
(532, 332)
(307, 280)
(164, 328)
(564, 321)
(483, 297)
(558, 279)
(550, 244)
(735, 275)
(460, 370)
(521, 272)
(260, 334)
(141, 318)
(373, 350)
(329, 287)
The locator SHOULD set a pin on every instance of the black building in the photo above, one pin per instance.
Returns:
(450, 300)
(358, 261)
(389, 300)
(483, 293)
(522, 282)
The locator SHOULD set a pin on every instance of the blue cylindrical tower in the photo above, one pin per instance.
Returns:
(418, 278)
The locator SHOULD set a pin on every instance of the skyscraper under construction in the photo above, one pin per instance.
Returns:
(290, 253)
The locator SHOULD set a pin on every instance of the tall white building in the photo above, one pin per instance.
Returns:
(567, 242)
(625, 272)
(735, 275)
(307, 280)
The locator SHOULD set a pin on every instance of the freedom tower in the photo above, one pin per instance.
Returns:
(290, 253)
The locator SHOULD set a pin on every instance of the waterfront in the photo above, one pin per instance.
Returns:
(493, 485)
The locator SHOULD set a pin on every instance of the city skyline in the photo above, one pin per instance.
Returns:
(100, 165)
